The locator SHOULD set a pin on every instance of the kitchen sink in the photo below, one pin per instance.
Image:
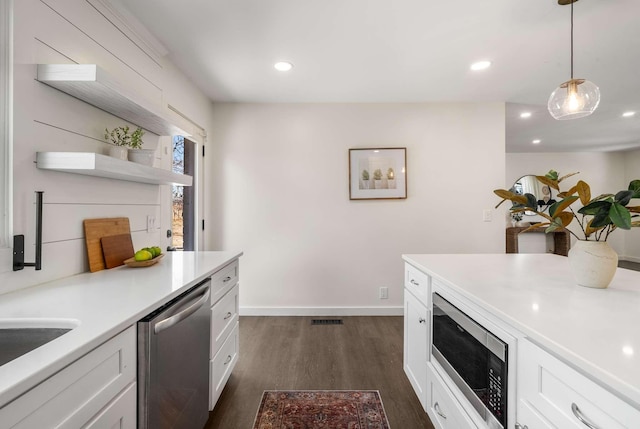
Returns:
(20, 336)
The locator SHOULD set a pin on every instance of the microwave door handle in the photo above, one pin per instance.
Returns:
(179, 317)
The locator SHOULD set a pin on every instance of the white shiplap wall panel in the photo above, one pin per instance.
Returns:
(73, 214)
(64, 36)
(49, 120)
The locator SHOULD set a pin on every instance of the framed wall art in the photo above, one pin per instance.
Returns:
(378, 173)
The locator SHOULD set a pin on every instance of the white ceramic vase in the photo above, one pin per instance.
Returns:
(119, 152)
(593, 263)
(142, 156)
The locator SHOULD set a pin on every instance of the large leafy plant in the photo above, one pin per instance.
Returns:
(598, 217)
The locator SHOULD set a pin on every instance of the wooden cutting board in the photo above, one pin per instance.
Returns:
(94, 230)
(116, 248)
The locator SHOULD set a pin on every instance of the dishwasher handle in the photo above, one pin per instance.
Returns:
(179, 317)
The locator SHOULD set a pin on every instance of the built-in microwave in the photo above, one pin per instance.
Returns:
(473, 358)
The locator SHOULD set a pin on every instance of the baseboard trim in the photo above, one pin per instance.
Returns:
(629, 258)
(321, 311)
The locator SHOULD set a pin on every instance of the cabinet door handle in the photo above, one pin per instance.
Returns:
(436, 407)
(228, 360)
(581, 417)
(413, 282)
(519, 426)
(227, 315)
(226, 279)
(421, 320)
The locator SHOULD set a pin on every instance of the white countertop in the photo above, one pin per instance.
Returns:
(595, 330)
(104, 303)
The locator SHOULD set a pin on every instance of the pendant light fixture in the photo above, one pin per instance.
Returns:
(575, 98)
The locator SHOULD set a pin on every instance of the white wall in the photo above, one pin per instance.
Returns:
(281, 188)
(605, 172)
(632, 172)
(62, 31)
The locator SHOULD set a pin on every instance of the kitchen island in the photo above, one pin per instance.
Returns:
(584, 342)
(101, 306)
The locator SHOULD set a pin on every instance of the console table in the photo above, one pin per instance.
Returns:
(561, 240)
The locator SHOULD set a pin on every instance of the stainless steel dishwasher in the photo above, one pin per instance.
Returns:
(173, 363)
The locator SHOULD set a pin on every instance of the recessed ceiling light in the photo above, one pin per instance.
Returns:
(628, 114)
(481, 65)
(525, 114)
(536, 141)
(283, 66)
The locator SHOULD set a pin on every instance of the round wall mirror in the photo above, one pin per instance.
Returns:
(529, 184)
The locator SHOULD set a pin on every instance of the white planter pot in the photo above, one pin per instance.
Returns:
(142, 156)
(593, 263)
(391, 183)
(119, 152)
(377, 184)
(364, 184)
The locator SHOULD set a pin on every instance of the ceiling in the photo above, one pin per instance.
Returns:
(406, 51)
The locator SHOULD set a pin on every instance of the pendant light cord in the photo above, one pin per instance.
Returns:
(572, 39)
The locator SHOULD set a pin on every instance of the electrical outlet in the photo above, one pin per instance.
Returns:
(486, 215)
(151, 223)
(384, 293)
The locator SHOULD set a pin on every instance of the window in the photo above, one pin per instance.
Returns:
(183, 217)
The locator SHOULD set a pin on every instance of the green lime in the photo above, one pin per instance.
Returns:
(143, 255)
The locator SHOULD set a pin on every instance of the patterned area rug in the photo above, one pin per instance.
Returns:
(321, 409)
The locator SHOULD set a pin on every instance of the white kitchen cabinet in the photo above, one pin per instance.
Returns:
(224, 328)
(93, 389)
(416, 343)
(222, 365)
(443, 408)
(119, 414)
(566, 398)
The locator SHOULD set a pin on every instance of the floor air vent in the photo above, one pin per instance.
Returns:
(326, 321)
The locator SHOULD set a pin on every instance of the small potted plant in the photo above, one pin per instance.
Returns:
(120, 139)
(377, 178)
(365, 180)
(391, 179)
(136, 152)
(592, 260)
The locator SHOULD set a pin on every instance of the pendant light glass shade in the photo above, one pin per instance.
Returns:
(574, 99)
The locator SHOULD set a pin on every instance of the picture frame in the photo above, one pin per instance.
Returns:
(378, 173)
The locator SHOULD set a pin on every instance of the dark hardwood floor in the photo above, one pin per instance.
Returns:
(288, 353)
(629, 265)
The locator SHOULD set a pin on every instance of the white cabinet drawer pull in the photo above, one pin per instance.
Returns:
(228, 360)
(421, 320)
(226, 279)
(519, 426)
(413, 282)
(227, 315)
(436, 407)
(581, 417)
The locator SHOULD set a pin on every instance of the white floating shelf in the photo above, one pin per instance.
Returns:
(91, 84)
(94, 164)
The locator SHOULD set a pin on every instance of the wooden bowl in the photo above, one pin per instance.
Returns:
(131, 262)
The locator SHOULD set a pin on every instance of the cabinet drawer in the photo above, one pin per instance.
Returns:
(73, 396)
(224, 316)
(223, 280)
(120, 414)
(418, 283)
(442, 407)
(555, 389)
(222, 365)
